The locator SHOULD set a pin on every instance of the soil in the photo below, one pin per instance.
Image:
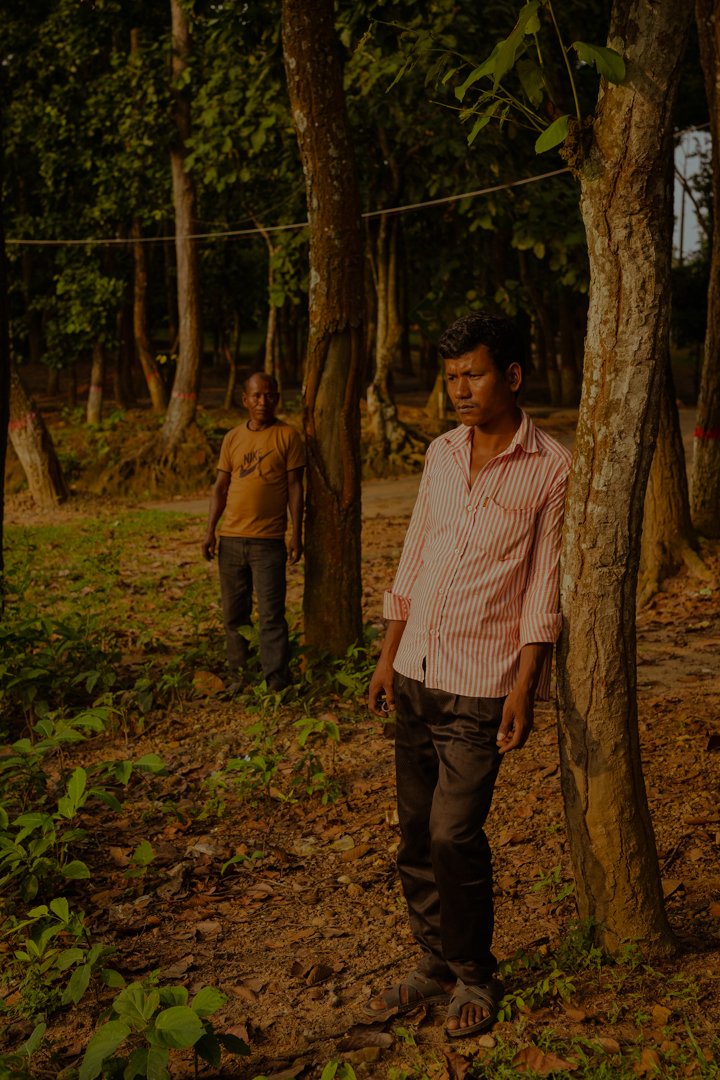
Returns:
(300, 938)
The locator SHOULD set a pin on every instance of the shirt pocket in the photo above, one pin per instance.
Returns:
(506, 533)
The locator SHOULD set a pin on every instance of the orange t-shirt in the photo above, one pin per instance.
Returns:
(259, 462)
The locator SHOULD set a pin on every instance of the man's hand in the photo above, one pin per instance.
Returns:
(517, 721)
(208, 546)
(295, 550)
(381, 700)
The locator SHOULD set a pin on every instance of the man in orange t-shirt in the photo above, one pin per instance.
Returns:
(260, 477)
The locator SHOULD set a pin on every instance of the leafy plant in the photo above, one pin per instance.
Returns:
(148, 1023)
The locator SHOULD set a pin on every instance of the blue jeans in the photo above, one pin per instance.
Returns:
(245, 563)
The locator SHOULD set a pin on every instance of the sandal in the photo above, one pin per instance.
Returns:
(419, 990)
(488, 996)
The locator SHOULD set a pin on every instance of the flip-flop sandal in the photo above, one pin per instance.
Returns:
(488, 996)
(418, 989)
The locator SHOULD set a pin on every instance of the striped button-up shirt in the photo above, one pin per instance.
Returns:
(478, 575)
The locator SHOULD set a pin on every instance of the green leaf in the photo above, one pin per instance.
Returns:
(36, 1037)
(150, 763)
(136, 1006)
(527, 24)
(76, 785)
(78, 984)
(157, 1060)
(179, 1026)
(553, 135)
(60, 907)
(112, 978)
(234, 1045)
(137, 1064)
(173, 995)
(486, 68)
(103, 1044)
(143, 853)
(75, 870)
(531, 80)
(483, 121)
(208, 1048)
(207, 1001)
(609, 63)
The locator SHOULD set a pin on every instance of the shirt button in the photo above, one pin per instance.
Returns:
(469, 508)
(440, 592)
(458, 551)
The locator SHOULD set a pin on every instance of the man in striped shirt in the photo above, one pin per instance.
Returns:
(471, 621)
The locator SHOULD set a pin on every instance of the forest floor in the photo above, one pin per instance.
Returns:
(308, 921)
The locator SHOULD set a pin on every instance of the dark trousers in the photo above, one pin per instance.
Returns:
(446, 765)
(245, 563)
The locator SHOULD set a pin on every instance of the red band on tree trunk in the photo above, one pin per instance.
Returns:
(24, 421)
(184, 397)
(707, 433)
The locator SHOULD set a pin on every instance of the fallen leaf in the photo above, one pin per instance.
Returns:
(360, 1037)
(205, 682)
(511, 836)
(119, 856)
(610, 1046)
(355, 853)
(649, 1062)
(245, 993)
(208, 927)
(343, 843)
(174, 971)
(660, 1015)
(532, 1058)
(365, 1056)
(318, 973)
(714, 910)
(672, 885)
(458, 1066)
(578, 1015)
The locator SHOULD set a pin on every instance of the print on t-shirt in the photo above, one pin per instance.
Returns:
(250, 462)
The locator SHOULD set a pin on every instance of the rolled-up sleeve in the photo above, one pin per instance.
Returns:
(540, 618)
(396, 601)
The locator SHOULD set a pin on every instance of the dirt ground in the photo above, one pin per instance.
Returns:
(299, 938)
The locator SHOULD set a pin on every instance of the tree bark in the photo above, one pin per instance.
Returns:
(34, 447)
(151, 371)
(331, 414)
(4, 366)
(388, 434)
(183, 399)
(626, 203)
(97, 382)
(668, 537)
(706, 458)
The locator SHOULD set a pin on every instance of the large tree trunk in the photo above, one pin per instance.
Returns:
(333, 618)
(155, 386)
(706, 460)
(183, 399)
(668, 537)
(34, 447)
(97, 384)
(627, 209)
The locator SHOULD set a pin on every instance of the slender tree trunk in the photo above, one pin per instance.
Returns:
(333, 618)
(97, 382)
(388, 434)
(232, 355)
(668, 537)
(627, 209)
(186, 385)
(4, 364)
(34, 447)
(706, 459)
(141, 321)
(171, 289)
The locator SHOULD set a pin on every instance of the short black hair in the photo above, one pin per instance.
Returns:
(263, 375)
(498, 334)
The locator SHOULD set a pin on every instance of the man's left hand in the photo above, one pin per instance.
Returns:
(517, 721)
(295, 550)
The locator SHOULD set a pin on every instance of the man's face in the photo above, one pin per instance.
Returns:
(479, 392)
(260, 400)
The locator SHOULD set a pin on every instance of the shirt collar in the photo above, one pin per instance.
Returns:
(525, 437)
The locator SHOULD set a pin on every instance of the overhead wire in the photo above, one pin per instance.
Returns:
(233, 233)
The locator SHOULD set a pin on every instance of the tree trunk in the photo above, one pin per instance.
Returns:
(388, 434)
(4, 366)
(232, 355)
(151, 371)
(34, 447)
(97, 382)
(331, 416)
(668, 537)
(183, 399)
(627, 209)
(706, 459)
